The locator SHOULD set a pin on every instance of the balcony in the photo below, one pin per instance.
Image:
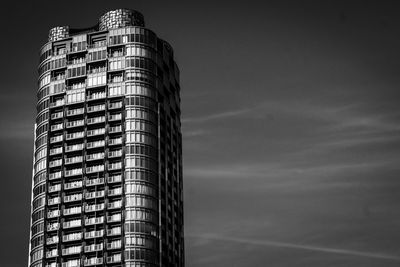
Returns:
(76, 123)
(93, 261)
(72, 250)
(72, 224)
(93, 182)
(54, 213)
(71, 263)
(54, 188)
(72, 237)
(96, 120)
(95, 194)
(114, 179)
(57, 115)
(115, 117)
(72, 198)
(56, 127)
(114, 205)
(116, 141)
(73, 112)
(94, 234)
(53, 226)
(114, 218)
(55, 163)
(53, 264)
(72, 211)
(73, 172)
(55, 151)
(54, 201)
(100, 131)
(77, 159)
(97, 70)
(93, 208)
(74, 148)
(114, 259)
(114, 231)
(52, 253)
(98, 168)
(95, 144)
(115, 105)
(94, 247)
(56, 139)
(73, 185)
(115, 192)
(76, 135)
(115, 129)
(114, 166)
(95, 220)
(96, 156)
(96, 108)
(114, 245)
(116, 153)
(97, 96)
(52, 240)
(57, 103)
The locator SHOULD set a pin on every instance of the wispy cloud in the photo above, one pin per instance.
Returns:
(286, 245)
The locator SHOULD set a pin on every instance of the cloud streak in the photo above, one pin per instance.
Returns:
(286, 245)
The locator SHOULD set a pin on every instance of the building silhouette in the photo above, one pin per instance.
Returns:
(107, 174)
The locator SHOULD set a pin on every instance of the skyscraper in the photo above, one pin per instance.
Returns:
(107, 174)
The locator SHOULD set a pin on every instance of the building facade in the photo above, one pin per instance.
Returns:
(107, 170)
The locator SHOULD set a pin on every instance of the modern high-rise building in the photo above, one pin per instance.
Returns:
(107, 170)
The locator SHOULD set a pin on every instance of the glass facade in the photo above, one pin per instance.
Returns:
(107, 170)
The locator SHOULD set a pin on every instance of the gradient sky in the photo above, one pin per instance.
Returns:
(290, 119)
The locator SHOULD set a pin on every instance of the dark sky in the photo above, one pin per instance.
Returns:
(290, 119)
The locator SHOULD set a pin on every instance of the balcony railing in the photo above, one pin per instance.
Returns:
(95, 194)
(77, 123)
(56, 127)
(114, 259)
(53, 226)
(54, 188)
(73, 185)
(72, 237)
(72, 160)
(74, 147)
(56, 139)
(94, 234)
(96, 108)
(94, 181)
(52, 253)
(72, 250)
(114, 244)
(114, 179)
(55, 163)
(96, 120)
(115, 166)
(95, 144)
(115, 117)
(52, 240)
(54, 201)
(96, 132)
(73, 210)
(117, 141)
(94, 247)
(71, 263)
(73, 172)
(114, 205)
(115, 129)
(114, 231)
(95, 220)
(71, 224)
(98, 168)
(115, 192)
(55, 151)
(95, 156)
(92, 208)
(115, 105)
(73, 112)
(114, 218)
(57, 115)
(93, 261)
(75, 135)
(54, 213)
(71, 198)
(96, 96)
